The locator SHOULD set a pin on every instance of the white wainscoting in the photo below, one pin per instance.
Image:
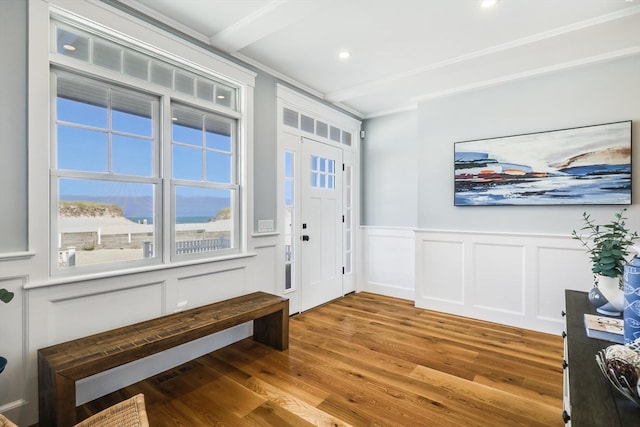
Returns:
(57, 313)
(510, 278)
(12, 329)
(388, 262)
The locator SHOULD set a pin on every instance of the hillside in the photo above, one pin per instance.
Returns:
(89, 209)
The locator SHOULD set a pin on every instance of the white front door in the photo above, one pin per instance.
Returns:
(320, 224)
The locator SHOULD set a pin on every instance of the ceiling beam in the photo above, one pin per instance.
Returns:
(275, 15)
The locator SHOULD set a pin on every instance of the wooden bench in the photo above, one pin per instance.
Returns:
(60, 366)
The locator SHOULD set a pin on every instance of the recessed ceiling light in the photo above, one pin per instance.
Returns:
(488, 3)
(344, 54)
(69, 47)
(220, 96)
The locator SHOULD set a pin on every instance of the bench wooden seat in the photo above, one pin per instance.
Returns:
(60, 366)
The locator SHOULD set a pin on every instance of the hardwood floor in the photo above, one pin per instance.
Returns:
(367, 360)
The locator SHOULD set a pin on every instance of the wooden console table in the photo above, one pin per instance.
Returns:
(592, 400)
(62, 365)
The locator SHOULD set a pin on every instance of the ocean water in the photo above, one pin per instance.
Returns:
(606, 189)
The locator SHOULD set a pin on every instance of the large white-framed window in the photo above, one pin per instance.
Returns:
(145, 164)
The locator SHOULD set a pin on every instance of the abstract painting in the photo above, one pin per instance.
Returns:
(588, 165)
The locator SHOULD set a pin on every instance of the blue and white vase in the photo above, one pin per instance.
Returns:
(632, 300)
(606, 296)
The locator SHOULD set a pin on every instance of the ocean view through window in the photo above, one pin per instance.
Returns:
(141, 173)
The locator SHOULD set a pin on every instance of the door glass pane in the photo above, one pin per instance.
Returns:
(289, 228)
(288, 164)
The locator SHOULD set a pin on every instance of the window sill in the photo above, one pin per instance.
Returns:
(14, 256)
(54, 281)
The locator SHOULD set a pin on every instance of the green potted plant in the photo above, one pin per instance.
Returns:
(5, 296)
(608, 248)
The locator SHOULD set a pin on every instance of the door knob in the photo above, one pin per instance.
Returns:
(305, 238)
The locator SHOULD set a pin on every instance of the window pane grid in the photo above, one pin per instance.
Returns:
(78, 44)
(312, 125)
(204, 219)
(202, 146)
(106, 152)
(348, 221)
(322, 172)
(85, 136)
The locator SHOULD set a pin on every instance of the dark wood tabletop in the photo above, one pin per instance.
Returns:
(594, 401)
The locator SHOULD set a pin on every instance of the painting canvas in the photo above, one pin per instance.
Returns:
(586, 165)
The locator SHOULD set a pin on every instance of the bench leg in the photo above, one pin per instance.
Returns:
(273, 329)
(65, 405)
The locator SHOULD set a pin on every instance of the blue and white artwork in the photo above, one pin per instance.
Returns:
(588, 165)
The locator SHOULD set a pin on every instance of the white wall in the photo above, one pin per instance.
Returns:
(510, 278)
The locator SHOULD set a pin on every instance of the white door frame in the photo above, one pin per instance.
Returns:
(289, 137)
(321, 229)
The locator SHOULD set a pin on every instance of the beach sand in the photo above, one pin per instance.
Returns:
(107, 255)
(106, 226)
(120, 225)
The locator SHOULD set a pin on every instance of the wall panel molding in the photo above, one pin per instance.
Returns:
(13, 334)
(388, 262)
(516, 279)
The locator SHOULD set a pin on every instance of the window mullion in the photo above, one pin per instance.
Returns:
(166, 159)
(110, 132)
(204, 148)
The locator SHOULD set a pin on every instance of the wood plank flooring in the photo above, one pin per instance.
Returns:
(365, 360)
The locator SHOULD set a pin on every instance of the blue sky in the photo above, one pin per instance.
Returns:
(83, 145)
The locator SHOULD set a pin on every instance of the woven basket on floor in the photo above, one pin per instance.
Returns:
(128, 413)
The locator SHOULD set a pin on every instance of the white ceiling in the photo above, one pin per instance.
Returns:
(404, 51)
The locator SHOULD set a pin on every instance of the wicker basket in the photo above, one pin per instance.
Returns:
(128, 413)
